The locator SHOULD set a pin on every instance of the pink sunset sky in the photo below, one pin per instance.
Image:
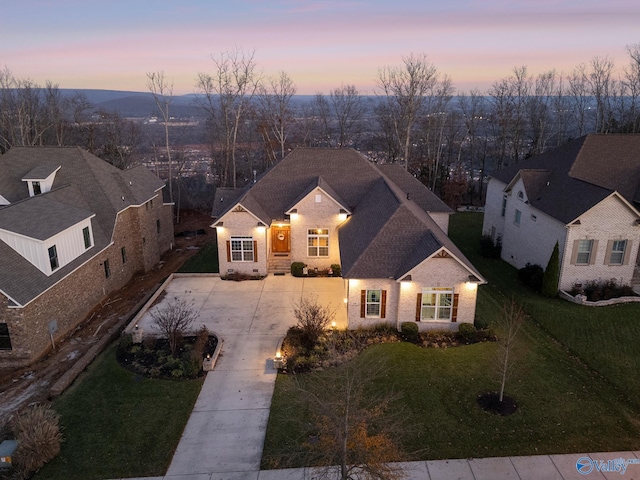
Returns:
(320, 44)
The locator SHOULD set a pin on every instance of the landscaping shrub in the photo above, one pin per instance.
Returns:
(337, 270)
(467, 332)
(551, 275)
(313, 320)
(37, 430)
(531, 276)
(410, 332)
(489, 248)
(296, 268)
(596, 290)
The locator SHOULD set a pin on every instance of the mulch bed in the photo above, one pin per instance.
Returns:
(490, 402)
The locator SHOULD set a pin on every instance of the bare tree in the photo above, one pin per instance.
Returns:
(475, 140)
(116, 139)
(602, 87)
(275, 113)
(174, 320)
(404, 89)
(162, 92)
(227, 95)
(355, 426)
(313, 319)
(632, 83)
(349, 109)
(509, 322)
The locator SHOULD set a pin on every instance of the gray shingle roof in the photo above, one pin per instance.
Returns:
(567, 181)
(386, 235)
(84, 186)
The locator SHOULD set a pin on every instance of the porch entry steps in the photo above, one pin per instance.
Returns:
(279, 264)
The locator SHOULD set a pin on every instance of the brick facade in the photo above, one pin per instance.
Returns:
(69, 301)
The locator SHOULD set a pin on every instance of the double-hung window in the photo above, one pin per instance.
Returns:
(517, 217)
(585, 248)
(318, 242)
(373, 303)
(503, 210)
(618, 248)
(242, 249)
(437, 304)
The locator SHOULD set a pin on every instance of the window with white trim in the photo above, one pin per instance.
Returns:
(242, 249)
(373, 303)
(437, 304)
(584, 252)
(517, 217)
(618, 248)
(318, 242)
(504, 205)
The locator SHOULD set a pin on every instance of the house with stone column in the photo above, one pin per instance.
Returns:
(585, 195)
(73, 229)
(383, 227)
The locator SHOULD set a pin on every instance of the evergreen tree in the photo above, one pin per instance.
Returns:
(551, 274)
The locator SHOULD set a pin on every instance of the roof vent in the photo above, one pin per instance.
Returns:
(122, 198)
(408, 196)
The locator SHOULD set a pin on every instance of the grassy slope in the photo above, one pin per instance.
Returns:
(117, 424)
(205, 261)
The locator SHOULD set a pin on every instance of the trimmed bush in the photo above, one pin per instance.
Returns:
(296, 268)
(596, 291)
(37, 430)
(410, 332)
(467, 332)
(531, 276)
(337, 269)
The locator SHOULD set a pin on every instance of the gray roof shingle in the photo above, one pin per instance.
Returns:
(568, 180)
(84, 186)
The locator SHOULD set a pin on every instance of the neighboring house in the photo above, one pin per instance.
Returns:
(584, 195)
(72, 230)
(387, 231)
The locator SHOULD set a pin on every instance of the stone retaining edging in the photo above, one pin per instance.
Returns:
(582, 300)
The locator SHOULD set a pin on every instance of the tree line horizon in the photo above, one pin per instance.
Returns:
(415, 118)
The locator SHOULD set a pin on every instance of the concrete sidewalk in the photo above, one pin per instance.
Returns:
(224, 436)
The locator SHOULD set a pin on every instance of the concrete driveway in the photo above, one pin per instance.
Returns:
(224, 436)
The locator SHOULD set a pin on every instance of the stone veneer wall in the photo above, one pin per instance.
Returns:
(72, 299)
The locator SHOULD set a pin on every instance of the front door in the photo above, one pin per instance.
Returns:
(280, 239)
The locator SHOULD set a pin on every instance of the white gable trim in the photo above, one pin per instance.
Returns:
(613, 194)
(231, 210)
(441, 250)
(314, 192)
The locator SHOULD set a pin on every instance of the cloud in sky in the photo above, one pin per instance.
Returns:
(321, 44)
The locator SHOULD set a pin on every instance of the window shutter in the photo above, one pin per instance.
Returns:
(574, 252)
(228, 251)
(363, 302)
(383, 305)
(418, 306)
(594, 250)
(627, 253)
(255, 250)
(607, 255)
(454, 309)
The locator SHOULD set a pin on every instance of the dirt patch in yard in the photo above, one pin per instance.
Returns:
(19, 387)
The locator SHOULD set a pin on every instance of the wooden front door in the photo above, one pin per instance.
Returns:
(280, 239)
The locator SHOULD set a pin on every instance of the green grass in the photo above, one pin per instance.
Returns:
(118, 425)
(573, 382)
(560, 405)
(205, 261)
(605, 338)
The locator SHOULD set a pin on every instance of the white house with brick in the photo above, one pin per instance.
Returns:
(73, 228)
(386, 230)
(583, 195)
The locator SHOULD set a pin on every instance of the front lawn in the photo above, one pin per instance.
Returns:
(560, 405)
(573, 394)
(117, 424)
(606, 338)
